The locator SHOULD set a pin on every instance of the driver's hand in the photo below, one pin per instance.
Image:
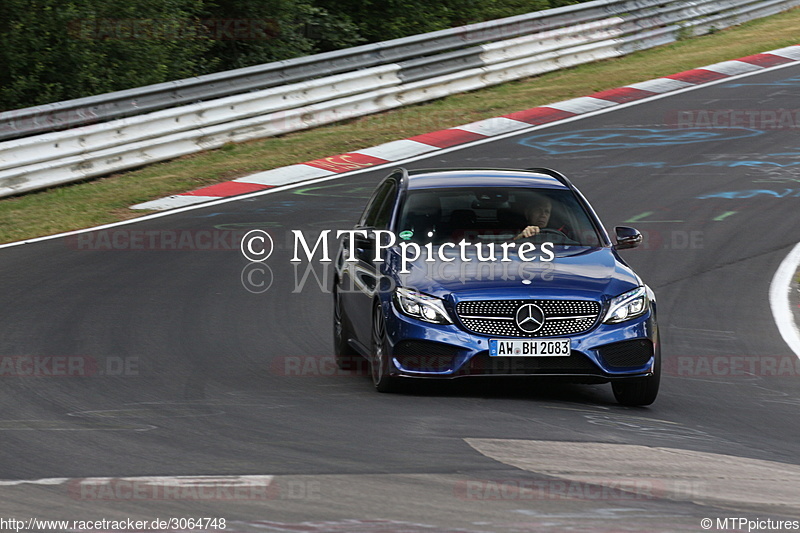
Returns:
(530, 231)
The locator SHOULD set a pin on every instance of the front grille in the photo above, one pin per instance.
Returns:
(496, 317)
(627, 353)
(425, 356)
(576, 363)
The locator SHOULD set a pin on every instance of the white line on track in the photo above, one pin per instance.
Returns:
(170, 481)
(779, 290)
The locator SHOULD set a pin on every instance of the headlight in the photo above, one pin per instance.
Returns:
(627, 306)
(421, 306)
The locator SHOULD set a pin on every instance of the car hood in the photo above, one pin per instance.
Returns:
(574, 272)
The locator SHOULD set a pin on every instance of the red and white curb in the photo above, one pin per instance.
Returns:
(430, 142)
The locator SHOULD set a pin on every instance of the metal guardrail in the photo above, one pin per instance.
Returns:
(101, 108)
(300, 93)
(94, 109)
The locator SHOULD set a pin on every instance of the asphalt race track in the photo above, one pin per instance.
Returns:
(152, 350)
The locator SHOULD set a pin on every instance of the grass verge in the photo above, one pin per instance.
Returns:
(107, 199)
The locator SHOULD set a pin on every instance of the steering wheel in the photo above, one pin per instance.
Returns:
(563, 238)
(551, 230)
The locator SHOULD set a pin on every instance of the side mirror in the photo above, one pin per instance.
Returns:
(627, 238)
(365, 242)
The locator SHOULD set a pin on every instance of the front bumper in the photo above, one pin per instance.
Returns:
(606, 351)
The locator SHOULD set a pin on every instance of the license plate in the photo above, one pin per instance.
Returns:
(529, 348)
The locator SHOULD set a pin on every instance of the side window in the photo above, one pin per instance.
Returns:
(380, 207)
(385, 212)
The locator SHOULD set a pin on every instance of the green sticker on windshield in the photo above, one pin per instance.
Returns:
(406, 235)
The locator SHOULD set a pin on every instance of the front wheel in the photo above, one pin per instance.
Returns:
(379, 365)
(639, 391)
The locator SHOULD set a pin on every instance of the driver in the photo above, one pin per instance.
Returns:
(537, 216)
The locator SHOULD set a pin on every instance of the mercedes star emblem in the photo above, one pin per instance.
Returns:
(529, 318)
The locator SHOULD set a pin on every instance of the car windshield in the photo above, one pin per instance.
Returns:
(491, 214)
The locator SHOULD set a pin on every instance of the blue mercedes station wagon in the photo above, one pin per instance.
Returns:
(474, 272)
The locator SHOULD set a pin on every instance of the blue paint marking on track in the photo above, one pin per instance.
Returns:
(793, 81)
(724, 164)
(752, 193)
(646, 164)
(786, 154)
(611, 139)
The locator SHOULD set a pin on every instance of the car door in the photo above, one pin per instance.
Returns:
(360, 277)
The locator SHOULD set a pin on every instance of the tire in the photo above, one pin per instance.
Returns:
(379, 364)
(346, 357)
(639, 391)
